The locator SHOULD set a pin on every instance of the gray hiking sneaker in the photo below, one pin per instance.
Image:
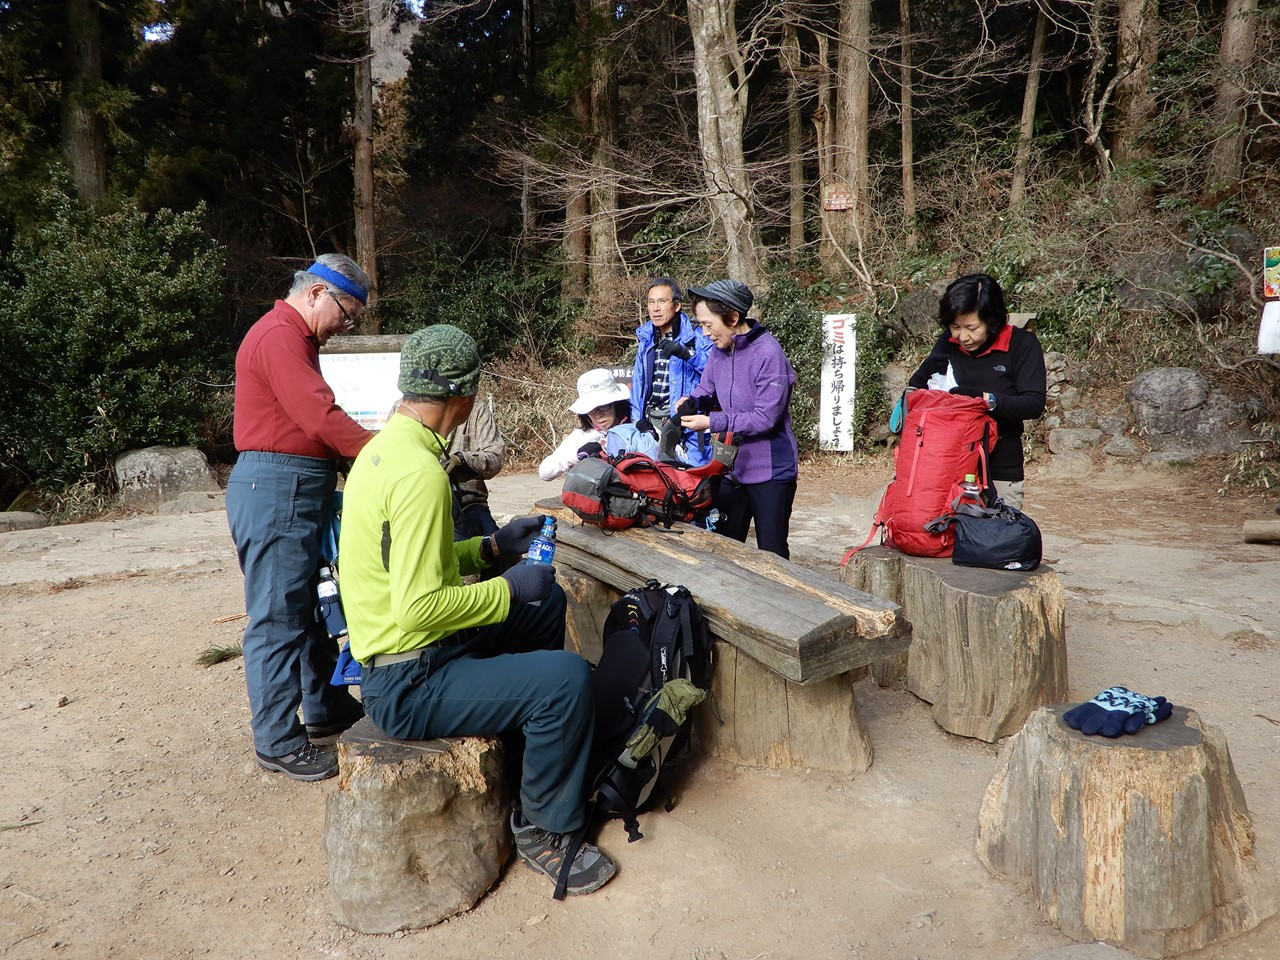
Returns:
(544, 851)
(308, 762)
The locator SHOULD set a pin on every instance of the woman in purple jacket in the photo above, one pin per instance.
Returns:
(746, 389)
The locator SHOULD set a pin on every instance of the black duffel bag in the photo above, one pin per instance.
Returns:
(999, 537)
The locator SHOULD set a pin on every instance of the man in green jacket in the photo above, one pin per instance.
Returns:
(441, 658)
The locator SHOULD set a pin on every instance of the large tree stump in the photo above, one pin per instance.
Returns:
(1144, 840)
(987, 646)
(416, 831)
(769, 721)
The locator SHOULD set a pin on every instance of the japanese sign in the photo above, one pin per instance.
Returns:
(1271, 272)
(839, 355)
(364, 384)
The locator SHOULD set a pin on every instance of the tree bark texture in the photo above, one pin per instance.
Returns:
(1137, 47)
(1027, 125)
(987, 647)
(721, 80)
(1144, 840)
(604, 256)
(577, 211)
(84, 135)
(363, 201)
(851, 135)
(759, 719)
(416, 831)
(795, 141)
(908, 135)
(1235, 51)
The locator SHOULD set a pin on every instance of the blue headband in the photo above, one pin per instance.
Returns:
(349, 287)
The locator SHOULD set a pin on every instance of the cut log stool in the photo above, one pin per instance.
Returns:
(416, 831)
(987, 646)
(1143, 840)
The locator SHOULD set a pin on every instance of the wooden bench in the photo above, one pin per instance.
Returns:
(788, 642)
(988, 646)
(416, 831)
(1144, 840)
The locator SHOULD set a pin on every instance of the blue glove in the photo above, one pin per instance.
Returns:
(513, 539)
(530, 581)
(1117, 710)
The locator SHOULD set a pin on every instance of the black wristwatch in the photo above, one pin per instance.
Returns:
(487, 551)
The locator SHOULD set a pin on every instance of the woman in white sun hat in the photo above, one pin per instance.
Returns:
(602, 403)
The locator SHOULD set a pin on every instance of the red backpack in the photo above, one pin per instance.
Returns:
(634, 490)
(944, 437)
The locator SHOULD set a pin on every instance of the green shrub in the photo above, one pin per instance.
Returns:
(99, 348)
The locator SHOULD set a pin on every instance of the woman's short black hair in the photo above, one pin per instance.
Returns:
(977, 293)
(621, 414)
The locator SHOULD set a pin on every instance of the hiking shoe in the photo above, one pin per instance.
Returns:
(544, 852)
(331, 728)
(308, 762)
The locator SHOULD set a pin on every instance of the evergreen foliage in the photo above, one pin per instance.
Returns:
(100, 350)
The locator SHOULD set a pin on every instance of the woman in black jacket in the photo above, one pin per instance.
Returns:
(990, 359)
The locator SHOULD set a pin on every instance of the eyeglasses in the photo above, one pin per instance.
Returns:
(658, 303)
(348, 324)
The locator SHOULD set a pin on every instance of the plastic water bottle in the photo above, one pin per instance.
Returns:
(971, 490)
(712, 519)
(542, 548)
(335, 621)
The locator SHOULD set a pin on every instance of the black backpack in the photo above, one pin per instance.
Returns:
(655, 667)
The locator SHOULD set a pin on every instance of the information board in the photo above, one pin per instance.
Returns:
(364, 384)
(836, 403)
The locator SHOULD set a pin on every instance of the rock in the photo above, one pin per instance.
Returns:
(1072, 463)
(1051, 423)
(20, 520)
(1084, 951)
(1169, 459)
(194, 501)
(153, 475)
(1111, 425)
(1176, 410)
(1068, 397)
(1067, 439)
(918, 310)
(1122, 448)
(1080, 417)
(1056, 365)
(893, 380)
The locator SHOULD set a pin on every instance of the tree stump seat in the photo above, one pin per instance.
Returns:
(417, 830)
(987, 646)
(788, 642)
(1144, 840)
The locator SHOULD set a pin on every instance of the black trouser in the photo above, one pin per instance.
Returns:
(768, 503)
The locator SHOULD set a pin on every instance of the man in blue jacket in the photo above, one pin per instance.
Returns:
(670, 358)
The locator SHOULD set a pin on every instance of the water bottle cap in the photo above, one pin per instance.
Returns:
(970, 478)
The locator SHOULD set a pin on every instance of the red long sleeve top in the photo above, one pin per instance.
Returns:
(283, 404)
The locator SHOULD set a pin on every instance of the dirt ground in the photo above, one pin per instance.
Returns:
(134, 822)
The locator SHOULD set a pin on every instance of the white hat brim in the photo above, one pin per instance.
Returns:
(598, 398)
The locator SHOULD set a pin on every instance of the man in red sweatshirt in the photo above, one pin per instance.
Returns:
(291, 433)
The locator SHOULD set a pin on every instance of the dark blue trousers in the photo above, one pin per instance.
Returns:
(513, 676)
(277, 507)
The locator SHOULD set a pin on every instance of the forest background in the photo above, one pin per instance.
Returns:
(166, 164)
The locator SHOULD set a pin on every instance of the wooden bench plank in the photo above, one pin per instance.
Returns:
(800, 624)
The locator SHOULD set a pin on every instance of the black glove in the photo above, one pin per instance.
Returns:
(1117, 710)
(966, 391)
(513, 539)
(686, 409)
(645, 425)
(589, 450)
(673, 348)
(530, 581)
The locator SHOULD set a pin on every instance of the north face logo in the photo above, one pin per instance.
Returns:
(998, 368)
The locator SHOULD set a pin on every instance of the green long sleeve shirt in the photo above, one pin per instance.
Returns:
(399, 567)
